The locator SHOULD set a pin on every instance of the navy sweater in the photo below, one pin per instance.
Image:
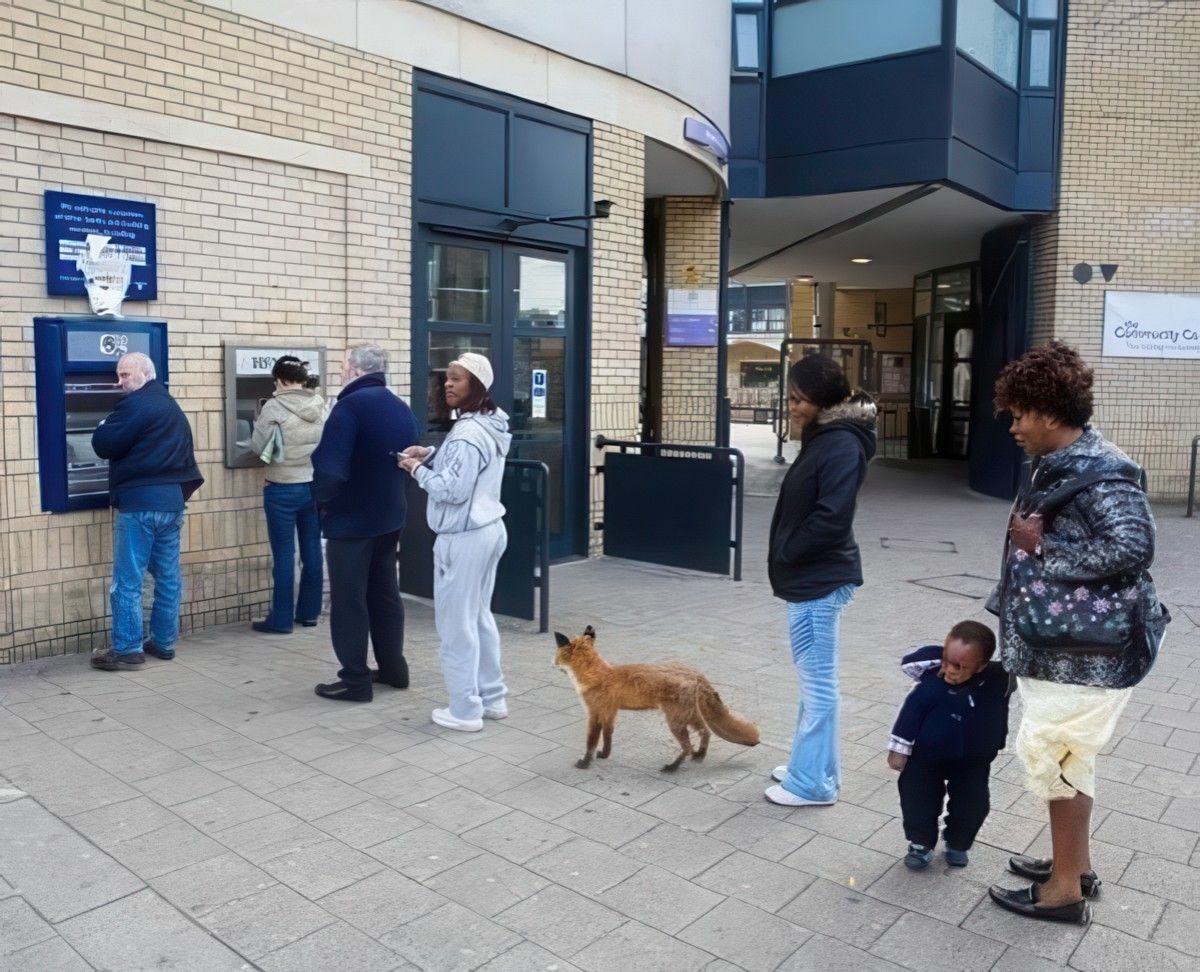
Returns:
(358, 487)
(147, 442)
(941, 721)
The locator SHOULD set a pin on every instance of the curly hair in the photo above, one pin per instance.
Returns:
(1051, 381)
(820, 379)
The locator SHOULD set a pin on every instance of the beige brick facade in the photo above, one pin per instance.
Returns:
(693, 256)
(1130, 196)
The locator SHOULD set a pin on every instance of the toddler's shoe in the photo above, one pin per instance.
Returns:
(918, 858)
(956, 858)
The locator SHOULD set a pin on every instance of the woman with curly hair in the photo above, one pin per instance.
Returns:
(1080, 623)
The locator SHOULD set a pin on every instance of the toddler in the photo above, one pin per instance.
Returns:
(947, 734)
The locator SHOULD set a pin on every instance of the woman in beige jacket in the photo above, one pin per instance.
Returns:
(299, 412)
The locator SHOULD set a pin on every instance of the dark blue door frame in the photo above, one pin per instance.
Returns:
(501, 333)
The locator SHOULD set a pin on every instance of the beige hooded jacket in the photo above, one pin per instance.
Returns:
(300, 414)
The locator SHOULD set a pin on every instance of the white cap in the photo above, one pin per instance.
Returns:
(477, 365)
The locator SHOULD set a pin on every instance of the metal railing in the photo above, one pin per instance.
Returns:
(1192, 477)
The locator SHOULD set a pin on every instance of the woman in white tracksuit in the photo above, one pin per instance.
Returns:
(463, 482)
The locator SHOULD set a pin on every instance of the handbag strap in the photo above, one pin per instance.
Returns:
(1050, 505)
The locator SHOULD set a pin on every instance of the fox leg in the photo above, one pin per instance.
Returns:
(608, 731)
(679, 729)
(593, 735)
(705, 736)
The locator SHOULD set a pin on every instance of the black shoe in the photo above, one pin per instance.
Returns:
(111, 661)
(150, 648)
(267, 629)
(1025, 903)
(398, 680)
(1038, 869)
(308, 624)
(341, 692)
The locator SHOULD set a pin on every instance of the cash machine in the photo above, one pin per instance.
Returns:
(76, 381)
(248, 384)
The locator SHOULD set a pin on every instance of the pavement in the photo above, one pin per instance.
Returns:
(211, 813)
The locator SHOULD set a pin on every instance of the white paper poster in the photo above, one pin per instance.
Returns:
(537, 407)
(1143, 325)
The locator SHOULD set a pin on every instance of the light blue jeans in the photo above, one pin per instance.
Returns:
(814, 769)
(145, 541)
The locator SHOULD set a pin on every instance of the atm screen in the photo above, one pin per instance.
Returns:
(90, 399)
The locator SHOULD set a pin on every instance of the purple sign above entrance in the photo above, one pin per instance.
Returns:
(704, 135)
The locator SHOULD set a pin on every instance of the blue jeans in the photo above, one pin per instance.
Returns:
(814, 769)
(145, 541)
(291, 512)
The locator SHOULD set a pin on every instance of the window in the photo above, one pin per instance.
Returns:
(1039, 58)
(824, 33)
(990, 35)
(745, 42)
(1042, 10)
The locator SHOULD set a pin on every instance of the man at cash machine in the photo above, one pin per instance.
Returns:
(152, 472)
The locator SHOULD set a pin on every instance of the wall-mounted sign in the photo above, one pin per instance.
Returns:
(692, 318)
(249, 362)
(703, 134)
(129, 226)
(1142, 325)
(537, 407)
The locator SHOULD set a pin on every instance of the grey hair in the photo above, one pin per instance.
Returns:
(142, 362)
(368, 358)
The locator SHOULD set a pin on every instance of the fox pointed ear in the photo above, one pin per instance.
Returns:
(561, 639)
(589, 632)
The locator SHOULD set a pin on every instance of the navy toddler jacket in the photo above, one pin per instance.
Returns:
(941, 721)
(147, 442)
(359, 489)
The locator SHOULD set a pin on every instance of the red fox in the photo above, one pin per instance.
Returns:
(686, 698)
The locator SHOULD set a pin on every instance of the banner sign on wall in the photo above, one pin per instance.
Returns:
(1142, 325)
(692, 318)
(129, 225)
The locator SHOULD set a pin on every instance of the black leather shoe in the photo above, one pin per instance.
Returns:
(1038, 869)
(266, 628)
(341, 692)
(1025, 903)
(150, 648)
(308, 624)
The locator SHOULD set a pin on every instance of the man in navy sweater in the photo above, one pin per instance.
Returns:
(152, 473)
(360, 494)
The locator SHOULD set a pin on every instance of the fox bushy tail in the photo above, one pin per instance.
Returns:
(728, 725)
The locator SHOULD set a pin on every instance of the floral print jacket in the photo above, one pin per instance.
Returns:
(1093, 560)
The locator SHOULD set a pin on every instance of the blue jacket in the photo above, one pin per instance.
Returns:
(812, 550)
(359, 489)
(147, 442)
(941, 721)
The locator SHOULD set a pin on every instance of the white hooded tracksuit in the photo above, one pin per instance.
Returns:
(463, 481)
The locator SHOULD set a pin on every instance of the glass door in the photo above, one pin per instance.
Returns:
(517, 305)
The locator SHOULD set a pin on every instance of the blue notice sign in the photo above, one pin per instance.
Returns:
(129, 225)
(691, 318)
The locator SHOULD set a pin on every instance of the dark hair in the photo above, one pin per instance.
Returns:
(1051, 381)
(976, 634)
(820, 379)
(288, 368)
(478, 400)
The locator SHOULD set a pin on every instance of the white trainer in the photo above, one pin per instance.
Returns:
(777, 794)
(778, 773)
(497, 711)
(447, 721)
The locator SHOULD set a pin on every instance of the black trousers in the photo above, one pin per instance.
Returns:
(924, 784)
(364, 594)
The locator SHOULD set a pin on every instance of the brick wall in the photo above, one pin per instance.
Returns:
(618, 315)
(250, 250)
(693, 240)
(1130, 195)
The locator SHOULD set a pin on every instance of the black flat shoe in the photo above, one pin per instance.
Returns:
(266, 628)
(341, 692)
(308, 624)
(1038, 869)
(399, 681)
(1025, 903)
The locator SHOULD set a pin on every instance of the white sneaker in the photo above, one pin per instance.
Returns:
(778, 773)
(777, 794)
(497, 711)
(443, 718)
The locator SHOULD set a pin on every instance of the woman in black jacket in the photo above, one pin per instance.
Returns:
(814, 563)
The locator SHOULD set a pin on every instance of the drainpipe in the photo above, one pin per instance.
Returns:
(721, 433)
